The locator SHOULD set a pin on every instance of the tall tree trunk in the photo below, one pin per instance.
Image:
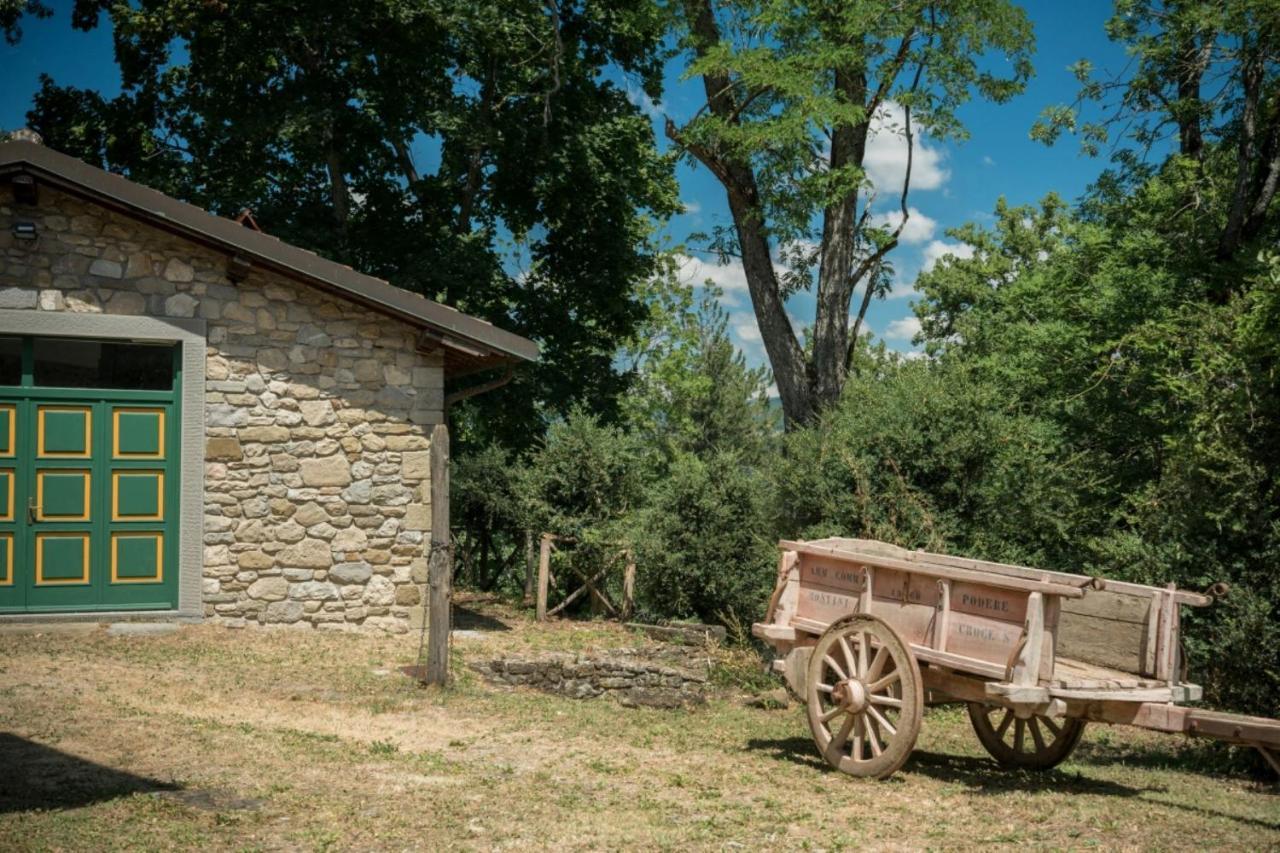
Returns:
(786, 357)
(839, 244)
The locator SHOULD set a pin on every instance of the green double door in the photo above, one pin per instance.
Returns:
(88, 494)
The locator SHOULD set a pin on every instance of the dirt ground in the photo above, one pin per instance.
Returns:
(258, 739)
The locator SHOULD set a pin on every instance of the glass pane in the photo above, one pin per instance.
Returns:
(71, 363)
(10, 361)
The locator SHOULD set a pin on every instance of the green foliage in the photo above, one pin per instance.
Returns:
(536, 188)
(1105, 331)
(704, 541)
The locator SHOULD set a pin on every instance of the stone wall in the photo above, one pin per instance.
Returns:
(632, 676)
(317, 416)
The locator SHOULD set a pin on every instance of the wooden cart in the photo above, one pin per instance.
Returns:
(867, 633)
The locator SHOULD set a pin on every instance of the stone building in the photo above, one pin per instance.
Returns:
(199, 420)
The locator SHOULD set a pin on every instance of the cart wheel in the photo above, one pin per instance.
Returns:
(865, 697)
(1036, 743)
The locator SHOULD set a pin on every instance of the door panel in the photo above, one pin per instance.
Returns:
(88, 486)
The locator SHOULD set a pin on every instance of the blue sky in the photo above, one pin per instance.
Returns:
(954, 182)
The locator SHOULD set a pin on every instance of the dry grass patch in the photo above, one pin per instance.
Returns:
(287, 739)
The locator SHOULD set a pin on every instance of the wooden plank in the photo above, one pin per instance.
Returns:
(984, 600)
(1026, 672)
(439, 562)
(544, 576)
(935, 570)
(629, 587)
(1107, 604)
(942, 625)
(1011, 569)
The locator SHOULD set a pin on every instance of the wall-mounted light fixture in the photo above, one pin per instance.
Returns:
(24, 230)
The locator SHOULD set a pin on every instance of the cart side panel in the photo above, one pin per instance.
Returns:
(1109, 629)
(985, 623)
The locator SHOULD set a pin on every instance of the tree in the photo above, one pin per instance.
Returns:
(476, 153)
(693, 391)
(792, 94)
(1205, 70)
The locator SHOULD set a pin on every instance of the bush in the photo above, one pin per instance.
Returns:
(704, 548)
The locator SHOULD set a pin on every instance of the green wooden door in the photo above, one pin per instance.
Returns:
(88, 480)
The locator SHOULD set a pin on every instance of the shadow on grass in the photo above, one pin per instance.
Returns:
(36, 776)
(984, 776)
(467, 619)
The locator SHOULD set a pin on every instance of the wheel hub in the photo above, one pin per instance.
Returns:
(851, 695)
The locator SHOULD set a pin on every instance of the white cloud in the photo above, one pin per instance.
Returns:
(886, 157)
(938, 249)
(772, 391)
(730, 277)
(987, 161)
(918, 228)
(747, 330)
(913, 354)
(902, 329)
(653, 109)
(691, 207)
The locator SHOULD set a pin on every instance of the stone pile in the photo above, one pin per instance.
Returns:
(634, 677)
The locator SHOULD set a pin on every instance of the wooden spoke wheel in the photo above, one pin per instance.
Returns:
(865, 697)
(1036, 743)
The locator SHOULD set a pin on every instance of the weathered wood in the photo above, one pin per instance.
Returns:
(544, 576)
(629, 587)
(439, 563)
(530, 567)
(936, 570)
(942, 623)
(1026, 672)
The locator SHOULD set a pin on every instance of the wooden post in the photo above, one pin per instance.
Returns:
(629, 587)
(439, 564)
(1027, 670)
(544, 572)
(529, 563)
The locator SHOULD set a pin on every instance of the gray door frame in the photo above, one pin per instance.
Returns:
(190, 334)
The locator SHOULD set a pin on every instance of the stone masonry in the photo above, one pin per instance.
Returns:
(317, 415)
(634, 677)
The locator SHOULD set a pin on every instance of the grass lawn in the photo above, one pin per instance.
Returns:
(288, 739)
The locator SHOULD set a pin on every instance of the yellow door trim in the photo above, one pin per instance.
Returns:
(12, 475)
(88, 494)
(115, 495)
(7, 538)
(40, 540)
(88, 432)
(12, 409)
(159, 575)
(115, 433)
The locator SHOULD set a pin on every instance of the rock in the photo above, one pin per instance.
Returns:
(283, 611)
(268, 589)
(127, 302)
(307, 554)
(416, 465)
(351, 539)
(106, 269)
(181, 305)
(408, 594)
(310, 514)
(178, 271)
(380, 591)
(18, 297)
(223, 415)
(317, 412)
(313, 591)
(361, 492)
(351, 573)
(255, 560)
(313, 336)
(264, 434)
(225, 449)
(51, 300)
(327, 471)
(142, 629)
